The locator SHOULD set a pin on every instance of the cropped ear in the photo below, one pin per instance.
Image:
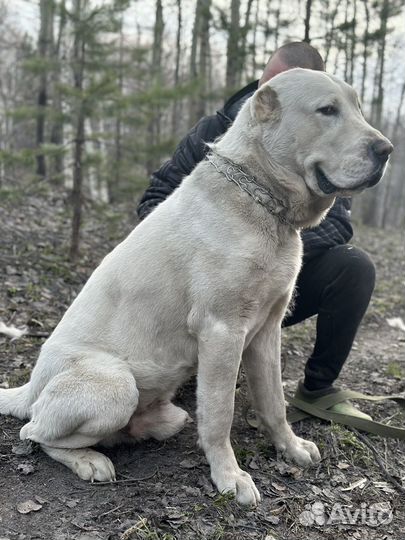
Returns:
(266, 106)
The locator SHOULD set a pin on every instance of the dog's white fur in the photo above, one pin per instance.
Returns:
(198, 286)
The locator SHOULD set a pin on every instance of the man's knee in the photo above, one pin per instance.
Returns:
(356, 269)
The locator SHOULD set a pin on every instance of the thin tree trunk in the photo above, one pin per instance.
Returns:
(365, 50)
(56, 131)
(204, 55)
(391, 178)
(346, 41)
(78, 75)
(254, 41)
(307, 22)
(114, 189)
(233, 64)
(243, 40)
(330, 33)
(353, 42)
(44, 45)
(154, 123)
(175, 112)
(383, 30)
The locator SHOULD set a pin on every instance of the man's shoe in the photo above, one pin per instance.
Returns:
(347, 407)
(344, 407)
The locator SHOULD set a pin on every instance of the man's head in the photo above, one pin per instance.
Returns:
(291, 55)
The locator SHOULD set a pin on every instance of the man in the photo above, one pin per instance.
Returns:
(336, 280)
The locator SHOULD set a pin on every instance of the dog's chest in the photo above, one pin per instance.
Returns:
(272, 280)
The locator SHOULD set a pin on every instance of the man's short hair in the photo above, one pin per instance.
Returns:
(300, 54)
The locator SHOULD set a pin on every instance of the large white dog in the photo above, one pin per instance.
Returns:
(201, 285)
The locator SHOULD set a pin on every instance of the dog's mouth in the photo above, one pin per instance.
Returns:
(324, 184)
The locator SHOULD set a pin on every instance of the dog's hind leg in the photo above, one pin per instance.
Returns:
(160, 421)
(79, 407)
(85, 462)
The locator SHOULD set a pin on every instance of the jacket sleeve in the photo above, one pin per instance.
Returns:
(191, 150)
(334, 230)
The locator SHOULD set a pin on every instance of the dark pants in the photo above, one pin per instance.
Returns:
(337, 286)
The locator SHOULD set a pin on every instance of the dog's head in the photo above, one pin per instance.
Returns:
(311, 124)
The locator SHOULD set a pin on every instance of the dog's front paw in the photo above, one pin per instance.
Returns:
(239, 483)
(93, 466)
(303, 453)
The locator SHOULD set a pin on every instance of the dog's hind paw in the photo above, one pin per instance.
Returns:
(85, 462)
(94, 466)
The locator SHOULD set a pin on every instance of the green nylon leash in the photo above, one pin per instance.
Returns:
(319, 409)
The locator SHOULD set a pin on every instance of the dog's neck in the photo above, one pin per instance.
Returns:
(289, 204)
(248, 182)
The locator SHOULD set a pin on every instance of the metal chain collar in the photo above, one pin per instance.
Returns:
(248, 183)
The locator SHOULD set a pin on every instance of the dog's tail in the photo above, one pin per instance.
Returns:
(15, 401)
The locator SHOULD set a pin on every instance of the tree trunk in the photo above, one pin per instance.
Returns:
(383, 32)
(365, 50)
(204, 59)
(233, 64)
(156, 69)
(254, 41)
(78, 76)
(56, 131)
(353, 43)
(243, 40)
(44, 47)
(330, 33)
(307, 22)
(116, 173)
(175, 111)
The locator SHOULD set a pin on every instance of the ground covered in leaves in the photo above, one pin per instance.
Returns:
(163, 490)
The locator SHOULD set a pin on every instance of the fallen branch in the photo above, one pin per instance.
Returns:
(366, 441)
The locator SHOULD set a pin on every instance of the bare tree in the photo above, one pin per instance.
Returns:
(44, 47)
(57, 128)
(307, 22)
(78, 61)
(156, 71)
(365, 49)
(233, 64)
(175, 112)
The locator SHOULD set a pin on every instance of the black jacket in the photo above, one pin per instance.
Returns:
(335, 229)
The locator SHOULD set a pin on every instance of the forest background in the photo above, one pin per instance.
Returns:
(95, 95)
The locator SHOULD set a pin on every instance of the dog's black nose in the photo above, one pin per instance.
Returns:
(381, 149)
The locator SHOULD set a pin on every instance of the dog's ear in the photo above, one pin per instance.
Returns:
(266, 105)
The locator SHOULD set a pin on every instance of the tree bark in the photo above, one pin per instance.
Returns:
(233, 64)
(56, 131)
(156, 69)
(79, 57)
(44, 46)
(307, 22)
(175, 111)
(204, 59)
(365, 50)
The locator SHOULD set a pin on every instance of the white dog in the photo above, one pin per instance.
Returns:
(201, 284)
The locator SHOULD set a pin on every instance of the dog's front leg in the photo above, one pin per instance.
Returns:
(261, 361)
(219, 356)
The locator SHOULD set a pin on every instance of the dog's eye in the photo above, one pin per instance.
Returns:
(329, 110)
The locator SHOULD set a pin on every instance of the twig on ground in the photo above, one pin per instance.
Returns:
(366, 441)
(110, 511)
(125, 480)
(38, 334)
